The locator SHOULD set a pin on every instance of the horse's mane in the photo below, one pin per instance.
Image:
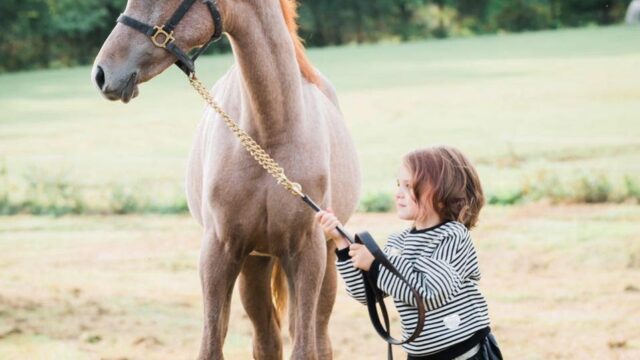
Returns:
(289, 11)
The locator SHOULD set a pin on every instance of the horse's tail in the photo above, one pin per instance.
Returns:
(279, 289)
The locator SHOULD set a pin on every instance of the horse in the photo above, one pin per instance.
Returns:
(252, 229)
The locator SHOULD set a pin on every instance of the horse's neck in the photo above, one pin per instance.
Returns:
(271, 77)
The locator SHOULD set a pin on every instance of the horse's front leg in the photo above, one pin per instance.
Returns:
(220, 264)
(325, 305)
(255, 292)
(305, 267)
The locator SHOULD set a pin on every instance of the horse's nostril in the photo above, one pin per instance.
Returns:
(100, 77)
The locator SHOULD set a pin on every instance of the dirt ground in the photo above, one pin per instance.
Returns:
(562, 282)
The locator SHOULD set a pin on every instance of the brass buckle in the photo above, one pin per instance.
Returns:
(168, 37)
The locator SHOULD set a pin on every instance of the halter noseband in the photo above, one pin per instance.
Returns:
(162, 36)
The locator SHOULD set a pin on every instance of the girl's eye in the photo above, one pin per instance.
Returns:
(403, 185)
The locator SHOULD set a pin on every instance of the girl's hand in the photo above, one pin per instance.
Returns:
(328, 221)
(361, 256)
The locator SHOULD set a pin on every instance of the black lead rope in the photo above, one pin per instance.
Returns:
(373, 294)
(162, 36)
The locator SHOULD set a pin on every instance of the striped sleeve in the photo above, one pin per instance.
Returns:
(352, 277)
(353, 281)
(437, 278)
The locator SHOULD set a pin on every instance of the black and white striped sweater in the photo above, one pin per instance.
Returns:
(441, 263)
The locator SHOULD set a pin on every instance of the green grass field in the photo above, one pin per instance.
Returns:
(523, 107)
(562, 282)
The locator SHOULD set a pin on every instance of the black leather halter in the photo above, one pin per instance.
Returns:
(162, 36)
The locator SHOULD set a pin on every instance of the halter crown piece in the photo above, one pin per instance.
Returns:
(162, 36)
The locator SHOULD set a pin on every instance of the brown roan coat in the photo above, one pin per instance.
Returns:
(289, 108)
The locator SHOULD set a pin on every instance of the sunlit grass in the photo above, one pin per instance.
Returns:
(514, 103)
(128, 287)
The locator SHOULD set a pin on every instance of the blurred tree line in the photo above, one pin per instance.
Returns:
(55, 33)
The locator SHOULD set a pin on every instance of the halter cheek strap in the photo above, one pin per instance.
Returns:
(162, 36)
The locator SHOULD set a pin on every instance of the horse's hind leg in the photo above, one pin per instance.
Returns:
(305, 268)
(325, 305)
(219, 268)
(255, 291)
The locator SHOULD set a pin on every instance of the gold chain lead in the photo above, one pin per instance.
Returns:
(249, 144)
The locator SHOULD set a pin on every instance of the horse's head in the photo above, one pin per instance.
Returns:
(129, 57)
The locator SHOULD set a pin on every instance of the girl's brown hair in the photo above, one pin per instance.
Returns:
(444, 178)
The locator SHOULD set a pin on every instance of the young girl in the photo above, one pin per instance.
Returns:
(439, 190)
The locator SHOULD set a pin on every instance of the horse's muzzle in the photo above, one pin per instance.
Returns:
(115, 87)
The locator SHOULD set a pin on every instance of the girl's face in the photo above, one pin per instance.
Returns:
(406, 206)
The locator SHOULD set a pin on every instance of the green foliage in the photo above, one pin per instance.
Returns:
(593, 189)
(512, 197)
(6, 207)
(584, 12)
(136, 201)
(632, 188)
(41, 193)
(52, 33)
(546, 185)
(176, 206)
(43, 33)
(51, 195)
(584, 188)
(57, 195)
(125, 201)
(376, 202)
(523, 15)
(472, 15)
